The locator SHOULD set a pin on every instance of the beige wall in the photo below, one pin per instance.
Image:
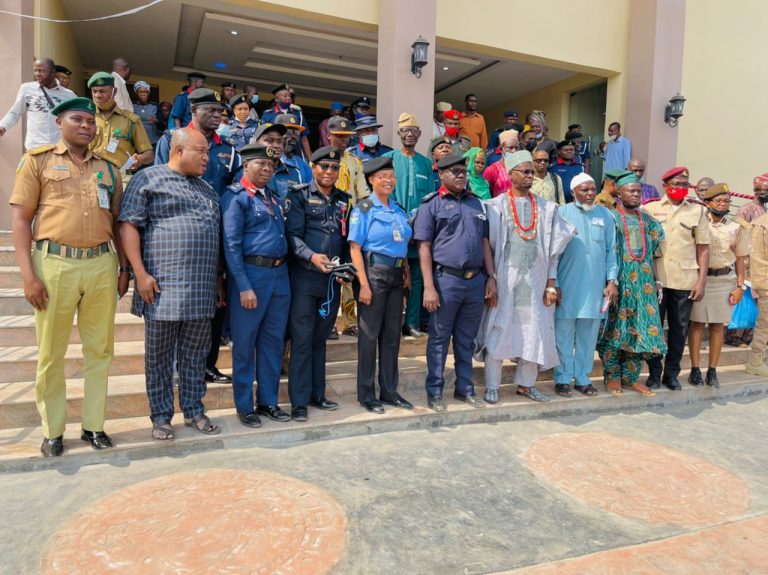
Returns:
(56, 40)
(725, 83)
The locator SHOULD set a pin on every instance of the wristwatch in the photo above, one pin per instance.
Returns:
(614, 282)
(127, 270)
(551, 290)
(491, 276)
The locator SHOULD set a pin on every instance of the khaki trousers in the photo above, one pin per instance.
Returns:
(88, 287)
(760, 338)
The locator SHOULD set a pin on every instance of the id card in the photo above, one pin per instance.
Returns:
(112, 145)
(396, 235)
(103, 198)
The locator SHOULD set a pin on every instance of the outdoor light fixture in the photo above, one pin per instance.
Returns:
(674, 109)
(419, 56)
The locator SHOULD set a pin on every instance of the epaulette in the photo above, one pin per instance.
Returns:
(428, 197)
(130, 115)
(743, 223)
(236, 187)
(227, 140)
(41, 149)
(298, 187)
(365, 205)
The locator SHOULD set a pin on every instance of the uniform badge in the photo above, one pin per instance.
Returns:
(270, 152)
(293, 120)
(725, 188)
(217, 96)
(343, 124)
(332, 155)
(286, 206)
(685, 173)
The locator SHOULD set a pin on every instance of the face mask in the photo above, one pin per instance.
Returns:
(677, 194)
(284, 106)
(531, 146)
(359, 115)
(585, 207)
(540, 135)
(763, 198)
(106, 105)
(255, 99)
(370, 140)
(718, 213)
(223, 130)
(452, 132)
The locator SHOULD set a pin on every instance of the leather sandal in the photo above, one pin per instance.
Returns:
(642, 389)
(588, 390)
(614, 388)
(203, 424)
(163, 431)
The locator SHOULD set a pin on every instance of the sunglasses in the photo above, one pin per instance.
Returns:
(542, 161)
(328, 167)
(458, 171)
(525, 172)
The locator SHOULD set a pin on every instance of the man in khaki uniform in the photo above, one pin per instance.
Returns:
(758, 268)
(67, 199)
(120, 135)
(609, 194)
(352, 181)
(682, 268)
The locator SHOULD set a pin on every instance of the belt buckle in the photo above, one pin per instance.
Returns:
(399, 262)
(468, 275)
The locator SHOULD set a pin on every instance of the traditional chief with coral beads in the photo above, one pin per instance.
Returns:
(255, 248)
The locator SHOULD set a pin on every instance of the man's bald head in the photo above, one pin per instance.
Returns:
(189, 152)
(703, 185)
(637, 165)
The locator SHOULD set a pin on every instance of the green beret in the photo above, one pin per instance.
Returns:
(615, 174)
(256, 151)
(627, 178)
(101, 79)
(78, 104)
(714, 191)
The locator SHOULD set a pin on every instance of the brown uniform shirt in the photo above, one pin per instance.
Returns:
(606, 200)
(758, 257)
(730, 239)
(65, 196)
(128, 133)
(685, 226)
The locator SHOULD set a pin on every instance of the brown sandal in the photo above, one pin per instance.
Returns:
(163, 431)
(614, 388)
(642, 389)
(203, 424)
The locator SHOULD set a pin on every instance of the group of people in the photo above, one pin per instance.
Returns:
(210, 228)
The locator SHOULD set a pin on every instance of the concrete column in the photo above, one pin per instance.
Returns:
(655, 72)
(401, 22)
(16, 57)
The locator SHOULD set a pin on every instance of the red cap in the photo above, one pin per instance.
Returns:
(761, 179)
(672, 172)
(454, 115)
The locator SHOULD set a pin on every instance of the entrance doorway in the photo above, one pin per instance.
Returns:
(587, 107)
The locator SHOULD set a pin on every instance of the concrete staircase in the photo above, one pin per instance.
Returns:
(127, 396)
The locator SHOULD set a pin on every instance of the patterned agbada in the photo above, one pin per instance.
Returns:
(633, 329)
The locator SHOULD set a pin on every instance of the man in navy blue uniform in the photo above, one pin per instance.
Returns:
(255, 248)
(284, 105)
(566, 166)
(290, 169)
(316, 226)
(457, 265)
(368, 145)
(224, 167)
(181, 112)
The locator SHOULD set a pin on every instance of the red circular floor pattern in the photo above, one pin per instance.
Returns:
(638, 479)
(209, 521)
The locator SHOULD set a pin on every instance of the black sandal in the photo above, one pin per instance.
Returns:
(163, 431)
(203, 424)
(588, 390)
(563, 390)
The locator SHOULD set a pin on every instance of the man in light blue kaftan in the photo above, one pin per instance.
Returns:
(586, 276)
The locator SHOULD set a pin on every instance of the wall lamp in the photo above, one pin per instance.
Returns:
(419, 56)
(674, 109)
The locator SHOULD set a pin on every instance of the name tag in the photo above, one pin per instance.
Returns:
(103, 198)
(315, 201)
(396, 235)
(112, 145)
(598, 222)
(61, 167)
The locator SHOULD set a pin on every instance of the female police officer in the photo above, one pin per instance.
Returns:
(378, 237)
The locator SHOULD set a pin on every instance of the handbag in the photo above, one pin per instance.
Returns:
(744, 313)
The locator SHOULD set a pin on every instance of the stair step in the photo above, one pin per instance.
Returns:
(12, 302)
(19, 330)
(8, 255)
(19, 446)
(6, 238)
(10, 277)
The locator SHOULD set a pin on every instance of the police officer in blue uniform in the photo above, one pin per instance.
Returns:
(378, 238)
(368, 146)
(181, 112)
(241, 125)
(316, 225)
(457, 265)
(255, 248)
(224, 167)
(290, 169)
(284, 105)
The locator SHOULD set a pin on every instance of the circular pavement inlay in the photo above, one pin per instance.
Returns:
(638, 479)
(209, 521)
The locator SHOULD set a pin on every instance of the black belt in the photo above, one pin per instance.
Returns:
(263, 262)
(464, 273)
(719, 271)
(381, 259)
(73, 253)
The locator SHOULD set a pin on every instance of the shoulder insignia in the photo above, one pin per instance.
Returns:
(228, 141)
(41, 149)
(298, 187)
(365, 205)
(428, 197)
(131, 116)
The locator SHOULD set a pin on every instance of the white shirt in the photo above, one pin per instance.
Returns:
(122, 97)
(41, 124)
(438, 129)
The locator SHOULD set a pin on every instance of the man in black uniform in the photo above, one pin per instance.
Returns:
(316, 227)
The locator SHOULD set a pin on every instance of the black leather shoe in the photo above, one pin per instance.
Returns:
(694, 378)
(424, 327)
(273, 412)
(351, 331)
(436, 403)
(324, 404)
(470, 400)
(712, 378)
(97, 439)
(653, 382)
(249, 419)
(412, 331)
(52, 447)
(373, 406)
(334, 334)
(215, 376)
(672, 383)
(299, 413)
(399, 402)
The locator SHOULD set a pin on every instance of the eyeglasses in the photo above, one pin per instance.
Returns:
(410, 131)
(542, 161)
(721, 200)
(458, 171)
(525, 172)
(328, 167)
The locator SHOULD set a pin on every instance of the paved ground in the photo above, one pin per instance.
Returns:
(682, 491)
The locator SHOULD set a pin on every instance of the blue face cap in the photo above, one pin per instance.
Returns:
(338, 106)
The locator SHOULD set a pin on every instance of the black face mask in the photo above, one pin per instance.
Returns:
(718, 213)
(762, 198)
(531, 146)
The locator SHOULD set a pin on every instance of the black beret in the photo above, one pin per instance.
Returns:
(373, 166)
(565, 143)
(199, 75)
(573, 136)
(204, 96)
(264, 128)
(239, 99)
(256, 151)
(63, 69)
(451, 160)
(574, 126)
(327, 153)
(364, 102)
(228, 85)
(437, 141)
(280, 88)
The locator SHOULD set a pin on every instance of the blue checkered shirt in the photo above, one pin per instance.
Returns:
(178, 218)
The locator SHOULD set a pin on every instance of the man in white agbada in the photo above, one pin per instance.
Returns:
(527, 237)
